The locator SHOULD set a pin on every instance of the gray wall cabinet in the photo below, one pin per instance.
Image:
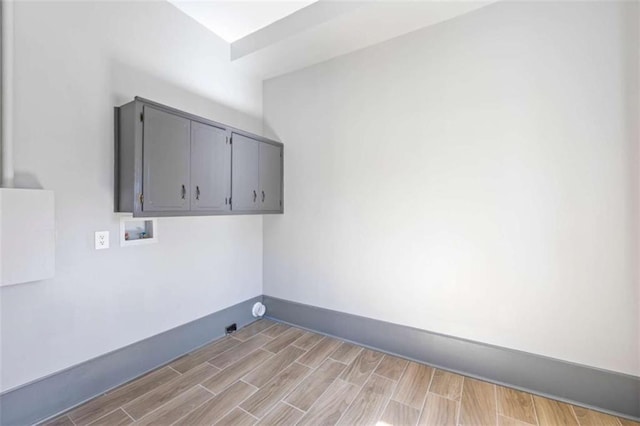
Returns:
(245, 177)
(165, 179)
(172, 163)
(257, 175)
(270, 177)
(210, 168)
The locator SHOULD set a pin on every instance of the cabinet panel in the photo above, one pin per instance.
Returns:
(210, 168)
(245, 178)
(270, 177)
(165, 181)
(183, 166)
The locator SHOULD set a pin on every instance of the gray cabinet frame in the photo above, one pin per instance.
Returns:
(128, 160)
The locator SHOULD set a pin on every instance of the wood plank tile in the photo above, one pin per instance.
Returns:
(308, 340)
(362, 366)
(508, 421)
(391, 367)
(176, 408)
(261, 375)
(439, 411)
(593, 418)
(311, 388)
(413, 385)
(237, 417)
(252, 329)
(284, 340)
(267, 396)
(218, 406)
(551, 413)
(204, 354)
(227, 358)
(626, 422)
(276, 330)
(400, 414)
(316, 355)
(346, 352)
(115, 418)
(59, 421)
(367, 407)
(328, 409)
(478, 403)
(105, 404)
(282, 415)
(515, 404)
(447, 384)
(163, 394)
(219, 381)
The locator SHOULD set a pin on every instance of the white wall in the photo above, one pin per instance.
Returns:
(478, 178)
(74, 62)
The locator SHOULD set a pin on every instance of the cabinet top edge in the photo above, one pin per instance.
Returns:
(204, 120)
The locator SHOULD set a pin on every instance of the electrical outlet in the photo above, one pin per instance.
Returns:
(102, 240)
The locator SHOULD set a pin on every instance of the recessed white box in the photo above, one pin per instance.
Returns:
(27, 235)
(138, 231)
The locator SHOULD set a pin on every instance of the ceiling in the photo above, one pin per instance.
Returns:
(233, 19)
(271, 38)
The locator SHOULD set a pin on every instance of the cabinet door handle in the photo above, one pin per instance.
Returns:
(263, 196)
(184, 192)
(255, 195)
(197, 192)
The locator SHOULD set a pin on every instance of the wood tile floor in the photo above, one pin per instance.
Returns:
(273, 374)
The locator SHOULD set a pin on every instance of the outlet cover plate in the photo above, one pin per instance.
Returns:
(102, 240)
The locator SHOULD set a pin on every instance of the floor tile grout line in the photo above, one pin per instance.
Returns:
(361, 386)
(231, 349)
(426, 397)
(395, 386)
(244, 375)
(119, 388)
(535, 411)
(294, 407)
(573, 411)
(194, 408)
(208, 390)
(517, 420)
(166, 384)
(242, 409)
(495, 396)
(129, 415)
(312, 370)
(105, 415)
(460, 402)
(171, 368)
(404, 371)
(171, 400)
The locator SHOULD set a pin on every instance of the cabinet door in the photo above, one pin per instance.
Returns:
(165, 153)
(270, 177)
(244, 173)
(210, 168)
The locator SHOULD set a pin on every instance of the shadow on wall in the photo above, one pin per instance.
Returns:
(26, 180)
(128, 82)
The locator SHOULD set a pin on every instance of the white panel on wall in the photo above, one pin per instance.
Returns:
(27, 235)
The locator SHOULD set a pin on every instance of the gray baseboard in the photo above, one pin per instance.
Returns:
(54, 394)
(607, 391)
